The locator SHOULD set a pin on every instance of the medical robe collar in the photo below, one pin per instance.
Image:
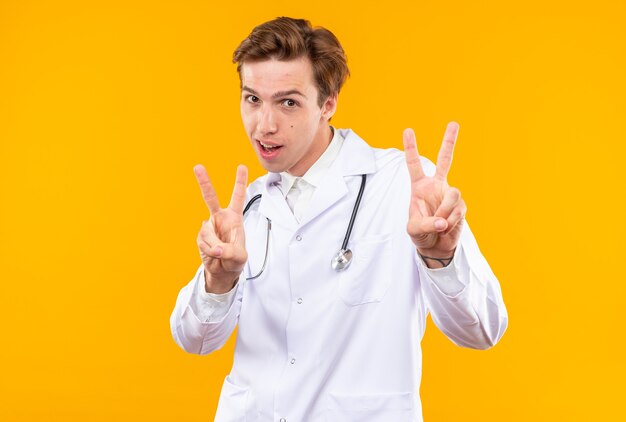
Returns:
(355, 158)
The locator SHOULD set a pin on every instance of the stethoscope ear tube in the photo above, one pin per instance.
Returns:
(267, 248)
(250, 202)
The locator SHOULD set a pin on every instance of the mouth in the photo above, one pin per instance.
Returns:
(268, 150)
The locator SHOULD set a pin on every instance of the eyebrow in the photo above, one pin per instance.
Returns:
(276, 94)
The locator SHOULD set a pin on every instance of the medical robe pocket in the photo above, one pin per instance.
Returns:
(368, 277)
(234, 403)
(385, 407)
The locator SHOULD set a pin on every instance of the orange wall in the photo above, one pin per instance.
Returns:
(106, 106)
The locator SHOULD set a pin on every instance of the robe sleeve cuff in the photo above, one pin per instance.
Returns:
(446, 279)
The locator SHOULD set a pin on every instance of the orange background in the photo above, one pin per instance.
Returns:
(105, 106)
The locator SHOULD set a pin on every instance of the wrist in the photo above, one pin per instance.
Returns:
(218, 285)
(436, 259)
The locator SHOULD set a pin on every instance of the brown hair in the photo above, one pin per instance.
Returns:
(286, 39)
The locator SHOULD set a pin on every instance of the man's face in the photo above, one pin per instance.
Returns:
(280, 112)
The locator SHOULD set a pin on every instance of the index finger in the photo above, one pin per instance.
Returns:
(208, 193)
(412, 156)
(239, 191)
(444, 159)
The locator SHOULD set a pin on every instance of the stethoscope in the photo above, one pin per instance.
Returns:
(342, 259)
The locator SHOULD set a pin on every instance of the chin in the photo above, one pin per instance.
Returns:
(272, 167)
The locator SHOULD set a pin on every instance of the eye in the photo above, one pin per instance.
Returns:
(289, 103)
(252, 99)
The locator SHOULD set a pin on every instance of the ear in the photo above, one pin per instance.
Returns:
(329, 107)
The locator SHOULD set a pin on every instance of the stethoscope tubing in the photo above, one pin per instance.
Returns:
(343, 252)
(344, 245)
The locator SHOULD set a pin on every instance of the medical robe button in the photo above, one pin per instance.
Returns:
(299, 300)
(293, 361)
(298, 237)
(283, 420)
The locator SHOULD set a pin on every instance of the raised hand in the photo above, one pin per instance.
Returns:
(437, 212)
(221, 240)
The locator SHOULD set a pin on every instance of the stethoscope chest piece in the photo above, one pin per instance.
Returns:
(341, 260)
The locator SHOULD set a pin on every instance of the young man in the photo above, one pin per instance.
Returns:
(333, 270)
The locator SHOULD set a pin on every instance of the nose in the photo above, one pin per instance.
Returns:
(266, 123)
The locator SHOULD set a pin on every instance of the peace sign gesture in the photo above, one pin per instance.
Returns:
(221, 240)
(436, 212)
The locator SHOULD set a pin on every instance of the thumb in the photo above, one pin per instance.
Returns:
(232, 257)
(427, 225)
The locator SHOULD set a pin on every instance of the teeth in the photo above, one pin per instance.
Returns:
(267, 146)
